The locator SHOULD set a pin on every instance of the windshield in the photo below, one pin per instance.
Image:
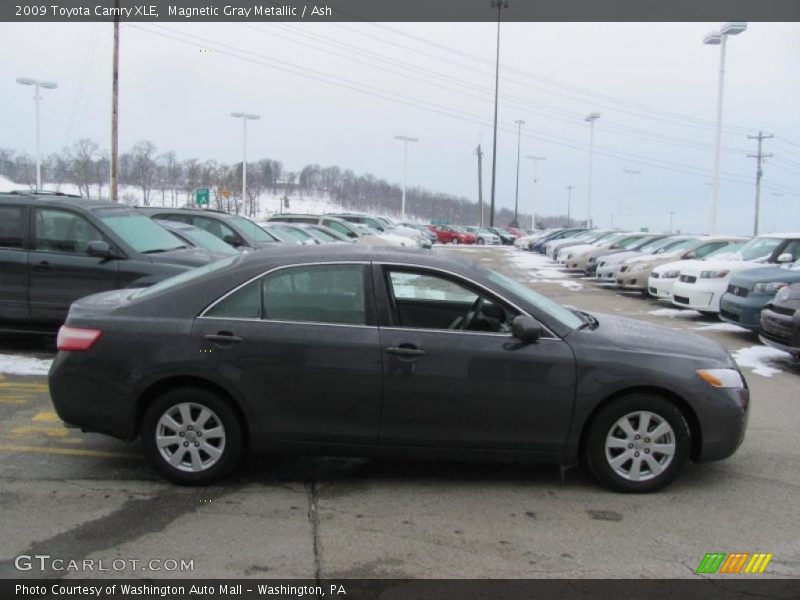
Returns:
(759, 247)
(251, 229)
(325, 236)
(656, 245)
(543, 303)
(678, 246)
(729, 249)
(184, 277)
(200, 237)
(142, 233)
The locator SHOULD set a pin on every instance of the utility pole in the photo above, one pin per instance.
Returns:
(671, 213)
(569, 202)
(499, 5)
(535, 160)
(405, 139)
(113, 183)
(759, 172)
(479, 154)
(519, 123)
(591, 118)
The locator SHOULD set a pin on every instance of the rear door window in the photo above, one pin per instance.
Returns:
(12, 226)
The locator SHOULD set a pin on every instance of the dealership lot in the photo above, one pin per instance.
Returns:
(96, 498)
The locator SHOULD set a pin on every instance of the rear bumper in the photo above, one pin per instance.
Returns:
(745, 312)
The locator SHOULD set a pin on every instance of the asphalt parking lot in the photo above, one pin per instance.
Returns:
(83, 496)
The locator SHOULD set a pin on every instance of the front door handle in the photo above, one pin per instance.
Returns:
(223, 338)
(43, 266)
(405, 350)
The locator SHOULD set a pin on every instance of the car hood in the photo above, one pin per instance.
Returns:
(765, 274)
(733, 266)
(189, 257)
(675, 265)
(631, 335)
(618, 257)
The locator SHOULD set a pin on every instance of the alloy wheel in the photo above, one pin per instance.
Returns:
(640, 446)
(190, 437)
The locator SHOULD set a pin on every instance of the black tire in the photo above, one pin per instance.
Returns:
(481, 242)
(222, 412)
(454, 241)
(595, 455)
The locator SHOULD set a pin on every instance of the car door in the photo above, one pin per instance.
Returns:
(13, 263)
(59, 268)
(444, 386)
(301, 345)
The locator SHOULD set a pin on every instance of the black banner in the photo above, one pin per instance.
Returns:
(399, 10)
(729, 588)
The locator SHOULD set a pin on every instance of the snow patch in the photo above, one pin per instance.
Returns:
(723, 327)
(17, 364)
(675, 312)
(757, 358)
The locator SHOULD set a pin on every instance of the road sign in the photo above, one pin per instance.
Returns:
(201, 197)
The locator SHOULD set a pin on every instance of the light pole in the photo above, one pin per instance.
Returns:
(631, 173)
(519, 123)
(719, 38)
(535, 160)
(499, 5)
(590, 118)
(569, 202)
(245, 117)
(671, 213)
(405, 139)
(37, 84)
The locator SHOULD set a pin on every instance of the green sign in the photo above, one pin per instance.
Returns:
(201, 197)
(644, 229)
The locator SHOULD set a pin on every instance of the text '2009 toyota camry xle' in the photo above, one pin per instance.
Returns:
(363, 351)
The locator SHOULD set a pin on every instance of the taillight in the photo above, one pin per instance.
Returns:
(77, 338)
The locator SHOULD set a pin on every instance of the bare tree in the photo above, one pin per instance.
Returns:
(81, 161)
(145, 168)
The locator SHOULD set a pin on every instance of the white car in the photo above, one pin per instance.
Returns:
(484, 237)
(386, 239)
(523, 243)
(608, 266)
(582, 237)
(701, 284)
(663, 277)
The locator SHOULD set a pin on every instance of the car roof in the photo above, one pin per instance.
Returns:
(58, 200)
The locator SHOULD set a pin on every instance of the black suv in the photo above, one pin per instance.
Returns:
(237, 231)
(55, 249)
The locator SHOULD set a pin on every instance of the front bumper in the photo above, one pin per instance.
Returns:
(703, 295)
(781, 331)
(745, 312)
(632, 281)
(660, 288)
(607, 273)
(723, 422)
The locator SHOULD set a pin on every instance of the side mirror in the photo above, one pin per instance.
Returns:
(99, 249)
(233, 240)
(690, 254)
(526, 329)
(785, 258)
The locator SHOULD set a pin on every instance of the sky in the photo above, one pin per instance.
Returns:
(338, 94)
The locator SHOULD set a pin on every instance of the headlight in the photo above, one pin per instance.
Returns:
(722, 378)
(768, 287)
(593, 260)
(670, 274)
(714, 274)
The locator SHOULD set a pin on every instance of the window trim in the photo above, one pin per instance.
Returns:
(369, 305)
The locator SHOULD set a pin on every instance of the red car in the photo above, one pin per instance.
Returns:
(452, 234)
(515, 232)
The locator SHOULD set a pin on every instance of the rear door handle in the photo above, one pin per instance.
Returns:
(405, 350)
(223, 337)
(43, 266)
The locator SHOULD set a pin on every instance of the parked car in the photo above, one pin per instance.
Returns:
(701, 285)
(199, 238)
(636, 272)
(453, 234)
(749, 291)
(587, 237)
(352, 350)
(55, 249)
(339, 226)
(484, 237)
(538, 244)
(584, 258)
(423, 240)
(609, 265)
(386, 227)
(423, 230)
(235, 230)
(290, 233)
(504, 234)
(325, 235)
(663, 277)
(523, 243)
(780, 321)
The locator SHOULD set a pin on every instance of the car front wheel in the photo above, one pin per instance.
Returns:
(192, 436)
(481, 242)
(454, 241)
(637, 444)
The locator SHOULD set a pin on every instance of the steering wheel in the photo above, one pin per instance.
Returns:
(472, 313)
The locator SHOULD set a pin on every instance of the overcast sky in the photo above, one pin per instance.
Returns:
(337, 94)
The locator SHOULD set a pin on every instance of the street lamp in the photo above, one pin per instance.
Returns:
(569, 202)
(245, 117)
(719, 38)
(535, 160)
(499, 5)
(37, 84)
(405, 139)
(590, 118)
(519, 123)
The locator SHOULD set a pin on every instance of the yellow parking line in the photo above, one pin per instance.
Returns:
(14, 399)
(34, 387)
(66, 451)
(48, 416)
(48, 431)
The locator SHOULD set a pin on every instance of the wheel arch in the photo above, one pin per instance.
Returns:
(687, 411)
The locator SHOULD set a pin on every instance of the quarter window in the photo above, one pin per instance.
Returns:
(63, 231)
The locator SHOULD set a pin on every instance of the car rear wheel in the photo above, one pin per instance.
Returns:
(638, 443)
(481, 242)
(454, 241)
(192, 436)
